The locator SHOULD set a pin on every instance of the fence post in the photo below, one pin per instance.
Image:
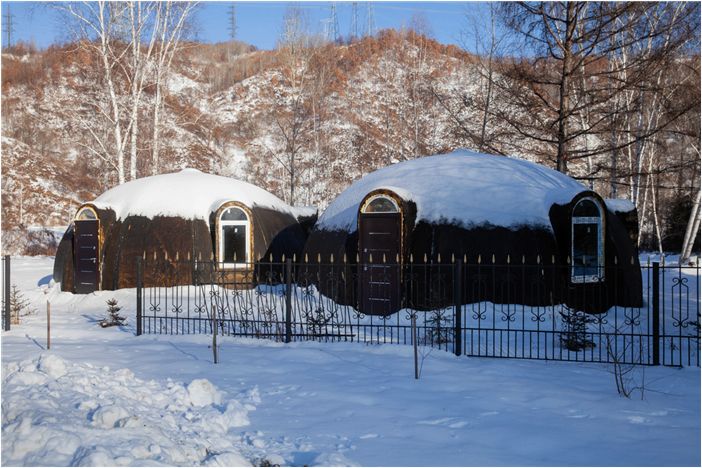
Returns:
(215, 353)
(655, 315)
(6, 293)
(139, 286)
(458, 302)
(288, 300)
(48, 325)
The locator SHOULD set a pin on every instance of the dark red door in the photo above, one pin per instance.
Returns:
(379, 244)
(86, 256)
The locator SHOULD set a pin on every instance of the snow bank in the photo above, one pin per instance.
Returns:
(618, 205)
(189, 194)
(58, 413)
(463, 187)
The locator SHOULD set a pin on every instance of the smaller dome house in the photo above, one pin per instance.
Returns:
(527, 234)
(176, 218)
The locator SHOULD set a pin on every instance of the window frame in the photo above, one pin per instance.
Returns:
(220, 236)
(372, 198)
(599, 222)
(83, 209)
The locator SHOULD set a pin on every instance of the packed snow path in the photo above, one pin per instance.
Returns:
(107, 397)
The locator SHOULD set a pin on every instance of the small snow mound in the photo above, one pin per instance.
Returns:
(52, 365)
(227, 459)
(27, 378)
(109, 416)
(333, 459)
(203, 393)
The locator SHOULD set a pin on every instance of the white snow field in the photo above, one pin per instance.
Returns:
(107, 397)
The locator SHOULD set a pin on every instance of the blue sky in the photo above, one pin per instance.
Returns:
(259, 23)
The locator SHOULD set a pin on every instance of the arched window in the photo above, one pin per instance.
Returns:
(587, 242)
(234, 243)
(85, 214)
(380, 204)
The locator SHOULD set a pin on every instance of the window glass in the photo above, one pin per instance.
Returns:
(85, 214)
(586, 209)
(381, 205)
(234, 242)
(233, 214)
(585, 249)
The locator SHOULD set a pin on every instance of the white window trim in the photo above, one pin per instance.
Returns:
(600, 244)
(375, 197)
(222, 224)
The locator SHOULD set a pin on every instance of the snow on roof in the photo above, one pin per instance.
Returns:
(188, 194)
(464, 188)
(618, 205)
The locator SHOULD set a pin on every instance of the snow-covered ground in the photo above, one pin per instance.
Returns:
(107, 397)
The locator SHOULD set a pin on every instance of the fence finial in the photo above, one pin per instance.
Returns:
(411, 257)
(344, 260)
(294, 258)
(508, 260)
(493, 259)
(177, 256)
(632, 259)
(384, 259)
(616, 260)
(282, 259)
(397, 258)
(188, 255)
(143, 255)
(306, 258)
(165, 254)
(425, 258)
(480, 259)
(438, 258)
(331, 258)
(465, 258)
(154, 255)
(568, 260)
(453, 258)
(358, 258)
(370, 258)
(538, 259)
(270, 257)
(553, 259)
(523, 259)
(319, 258)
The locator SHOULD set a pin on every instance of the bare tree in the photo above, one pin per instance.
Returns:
(170, 29)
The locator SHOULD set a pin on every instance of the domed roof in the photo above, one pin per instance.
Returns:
(188, 194)
(463, 188)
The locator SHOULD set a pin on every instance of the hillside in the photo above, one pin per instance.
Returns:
(337, 111)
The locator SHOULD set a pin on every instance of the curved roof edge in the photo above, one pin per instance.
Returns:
(467, 188)
(189, 194)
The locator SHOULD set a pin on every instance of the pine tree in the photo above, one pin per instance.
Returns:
(18, 305)
(114, 318)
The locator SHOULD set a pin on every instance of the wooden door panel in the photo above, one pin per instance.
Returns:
(86, 255)
(380, 248)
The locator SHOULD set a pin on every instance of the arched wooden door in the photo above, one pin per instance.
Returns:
(86, 252)
(379, 234)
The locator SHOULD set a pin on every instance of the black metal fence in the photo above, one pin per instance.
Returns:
(289, 301)
(6, 291)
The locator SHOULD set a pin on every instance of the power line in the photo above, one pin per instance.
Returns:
(370, 22)
(334, 23)
(8, 25)
(232, 21)
(354, 20)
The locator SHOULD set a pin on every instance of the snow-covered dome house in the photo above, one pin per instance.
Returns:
(495, 212)
(171, 220)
